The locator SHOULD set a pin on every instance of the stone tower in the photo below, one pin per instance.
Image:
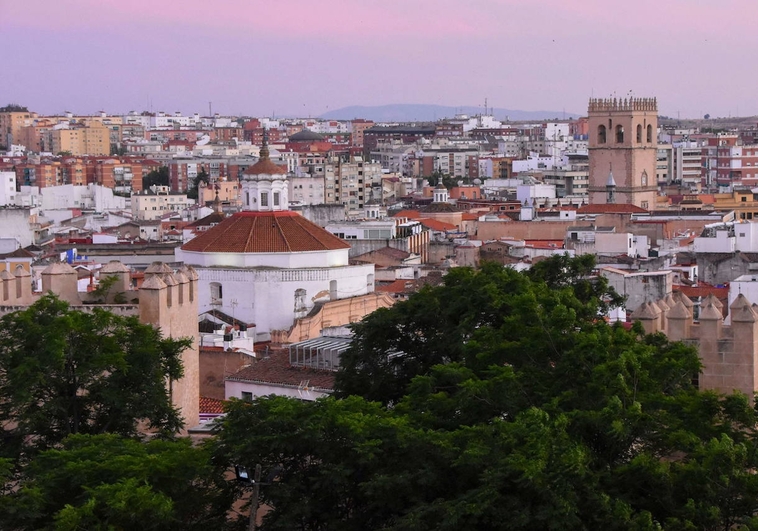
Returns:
(623, 143)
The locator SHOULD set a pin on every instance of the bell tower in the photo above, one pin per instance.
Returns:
(623, 136)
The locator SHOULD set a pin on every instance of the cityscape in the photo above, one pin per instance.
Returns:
(413, 304)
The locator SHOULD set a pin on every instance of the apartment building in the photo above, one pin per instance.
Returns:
(156, 201)
(11, 123)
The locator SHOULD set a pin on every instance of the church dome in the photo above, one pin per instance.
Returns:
(306, 135)
(265, 232)
(265, 167)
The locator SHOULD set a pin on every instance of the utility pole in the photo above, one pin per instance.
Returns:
(254, 499)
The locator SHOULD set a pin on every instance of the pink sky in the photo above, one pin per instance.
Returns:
(306, 57)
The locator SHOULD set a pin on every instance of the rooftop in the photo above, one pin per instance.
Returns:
(265, 232)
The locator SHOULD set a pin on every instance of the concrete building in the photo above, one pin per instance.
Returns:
(623, 149)
(157, 201)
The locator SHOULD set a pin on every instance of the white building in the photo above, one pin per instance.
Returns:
(7, 188)
(156, 201)
(268, 265)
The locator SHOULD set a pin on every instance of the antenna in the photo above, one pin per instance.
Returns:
(210, 108)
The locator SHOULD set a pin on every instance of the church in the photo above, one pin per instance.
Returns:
(268, 266)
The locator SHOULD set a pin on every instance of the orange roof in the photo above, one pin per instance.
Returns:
(467, 216)
(265, 232)
(265, 166)
(437, 225)
(410, 214)
(211, 405)
(612, 208)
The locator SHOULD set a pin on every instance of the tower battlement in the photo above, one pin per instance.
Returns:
(623, 104)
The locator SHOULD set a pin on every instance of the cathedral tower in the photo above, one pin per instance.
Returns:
(623, 148)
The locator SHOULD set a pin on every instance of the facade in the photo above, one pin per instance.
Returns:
(158, 201)
(623, 148)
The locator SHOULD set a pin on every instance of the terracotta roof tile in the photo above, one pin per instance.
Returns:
(211, 405)
(410, 214)
(437, 225)
(265, 232)
(277, 370)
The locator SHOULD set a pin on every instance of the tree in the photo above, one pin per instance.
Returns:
(65, 371)
(501, 400)
(159, 177)
(14, 107)
(112, 482)
(193, 192)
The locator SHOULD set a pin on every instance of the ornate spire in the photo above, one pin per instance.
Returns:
(264, 152)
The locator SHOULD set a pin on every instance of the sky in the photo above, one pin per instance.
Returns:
(306, 57)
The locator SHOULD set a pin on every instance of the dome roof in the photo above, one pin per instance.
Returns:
(265, 232)
(305, 135)
(265, 167)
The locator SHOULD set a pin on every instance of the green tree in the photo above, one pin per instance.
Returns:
(14, 107)
(501, 400)
(112, 482)
(66, 371)
(193, 191)
(159, 177)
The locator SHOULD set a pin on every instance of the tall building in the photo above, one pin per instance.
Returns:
(623, 147)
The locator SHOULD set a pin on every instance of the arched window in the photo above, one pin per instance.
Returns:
(619, 134)
(650, 134)
(601, 134)
(639, 133)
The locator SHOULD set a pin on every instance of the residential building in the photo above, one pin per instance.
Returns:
(157, 201)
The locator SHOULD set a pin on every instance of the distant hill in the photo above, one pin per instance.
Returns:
(408, 112)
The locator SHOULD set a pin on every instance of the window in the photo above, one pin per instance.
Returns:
(276, 198)
(644, 205)
(601, 134)
(619, 134)
(264, 199)
(649, 133)
(247, 396)
(639, 133)
(217, 292)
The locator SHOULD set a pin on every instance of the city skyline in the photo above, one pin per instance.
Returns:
(291, 58)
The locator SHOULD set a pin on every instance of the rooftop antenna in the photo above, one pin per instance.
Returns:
(210, 108)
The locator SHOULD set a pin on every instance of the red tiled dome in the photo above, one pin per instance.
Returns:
(265, 232)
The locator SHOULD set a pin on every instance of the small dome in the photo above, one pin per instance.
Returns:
(306, 135)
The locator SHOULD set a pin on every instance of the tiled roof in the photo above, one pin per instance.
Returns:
(276, 370)
(265, 232)
(208, 220)
(265, 167)
(410, 214)
(439, 226)
(621, 208)
(211, 405)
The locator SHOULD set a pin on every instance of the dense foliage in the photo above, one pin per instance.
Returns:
(112, 482)
(514, 406)
(66, 371)
(158, 177)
